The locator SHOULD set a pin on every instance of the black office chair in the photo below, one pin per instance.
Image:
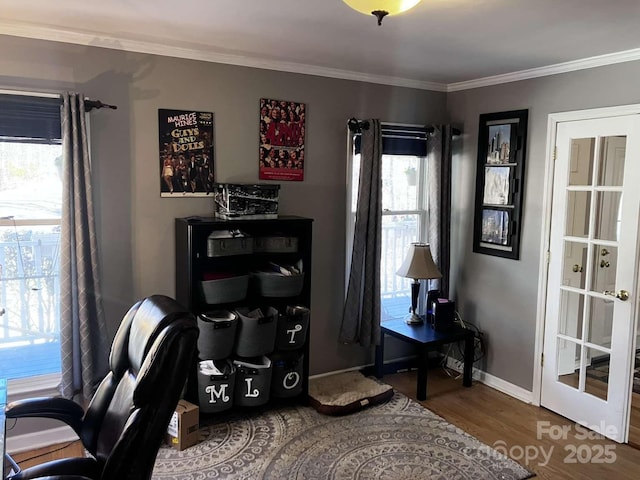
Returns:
(127, 418)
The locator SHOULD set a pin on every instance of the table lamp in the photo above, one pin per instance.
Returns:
(418, 265)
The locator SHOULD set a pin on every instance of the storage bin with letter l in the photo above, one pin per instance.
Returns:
(248, 281)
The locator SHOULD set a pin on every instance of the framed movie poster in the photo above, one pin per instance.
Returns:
(186, 153)
(502, 139)
(282, 131)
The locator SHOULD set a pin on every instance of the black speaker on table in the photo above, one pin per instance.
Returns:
(443, 313)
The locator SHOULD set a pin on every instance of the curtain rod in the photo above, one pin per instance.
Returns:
(91, 104)
(356, 126)
(88, 103)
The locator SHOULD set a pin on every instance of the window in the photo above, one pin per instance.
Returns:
(404, 209)
(30, 210)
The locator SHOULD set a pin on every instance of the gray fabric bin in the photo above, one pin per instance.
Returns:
(216, 391)
(292, 328)
(256, 332)
(275, 244)
(225, 290)
(224, 243)
(217, 334)
(253, 381)
(271, 284)
(286, 378)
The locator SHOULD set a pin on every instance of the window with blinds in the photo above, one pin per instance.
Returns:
(404, 208)
(30, 210)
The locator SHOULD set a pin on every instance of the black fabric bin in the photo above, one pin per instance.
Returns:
(292, 328)
(256, 331)
(217, 334)
(286, 379)
(253, 381)
(216, 391)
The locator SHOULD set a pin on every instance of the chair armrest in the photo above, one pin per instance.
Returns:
(57, 408)
(63, 477)
(73, 468)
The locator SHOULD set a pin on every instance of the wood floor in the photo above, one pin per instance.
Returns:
(497, 420)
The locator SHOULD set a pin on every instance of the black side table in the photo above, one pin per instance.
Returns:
(427, 339)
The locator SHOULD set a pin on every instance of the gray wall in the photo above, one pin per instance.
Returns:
(500, 295)
(135, 225)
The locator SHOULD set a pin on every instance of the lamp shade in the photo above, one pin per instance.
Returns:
(390, 6)
(419, 263)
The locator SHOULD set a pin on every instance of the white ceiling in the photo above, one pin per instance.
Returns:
(440, 44)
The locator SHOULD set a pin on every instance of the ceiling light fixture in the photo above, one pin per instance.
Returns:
(381, 8)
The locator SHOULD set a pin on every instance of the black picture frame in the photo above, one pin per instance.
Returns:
(502, 141)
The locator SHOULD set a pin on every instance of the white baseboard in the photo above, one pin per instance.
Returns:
(35, 440)
(496, 383)
(360, 367)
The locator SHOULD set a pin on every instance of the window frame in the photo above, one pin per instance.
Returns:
(422, 200)
(45, 384)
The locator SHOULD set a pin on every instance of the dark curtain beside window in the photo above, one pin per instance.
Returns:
(83, 332)
(361, 316)
(439, 191)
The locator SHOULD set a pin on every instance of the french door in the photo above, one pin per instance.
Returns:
(592, 279)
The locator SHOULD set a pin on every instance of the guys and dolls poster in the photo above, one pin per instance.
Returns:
(282, 130)
(186, 153)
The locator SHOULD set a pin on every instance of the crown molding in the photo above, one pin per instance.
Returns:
(566, 67)
(203, 54)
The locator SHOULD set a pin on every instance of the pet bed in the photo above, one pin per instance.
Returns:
(346, 393)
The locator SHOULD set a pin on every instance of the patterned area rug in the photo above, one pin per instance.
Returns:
(393, 441)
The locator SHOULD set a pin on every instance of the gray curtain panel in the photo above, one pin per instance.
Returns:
(439, 190)
(83, 330)
(361, 315)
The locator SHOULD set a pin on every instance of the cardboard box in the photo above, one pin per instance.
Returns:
(182, 431)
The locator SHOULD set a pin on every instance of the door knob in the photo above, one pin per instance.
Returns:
(622, 294)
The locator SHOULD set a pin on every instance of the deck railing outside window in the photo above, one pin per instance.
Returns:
(29, 302)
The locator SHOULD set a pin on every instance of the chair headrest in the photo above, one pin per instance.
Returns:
(139, 328)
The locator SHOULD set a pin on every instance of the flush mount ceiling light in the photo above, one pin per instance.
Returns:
(381, 8)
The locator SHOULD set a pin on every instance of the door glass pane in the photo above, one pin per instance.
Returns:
(597, 378)
(574, 270)
(611, 171)
(581, 161)
(578, 207)
(571, 314)
(608, 215)
(600, 323)
(605, 261)
(568, 363)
